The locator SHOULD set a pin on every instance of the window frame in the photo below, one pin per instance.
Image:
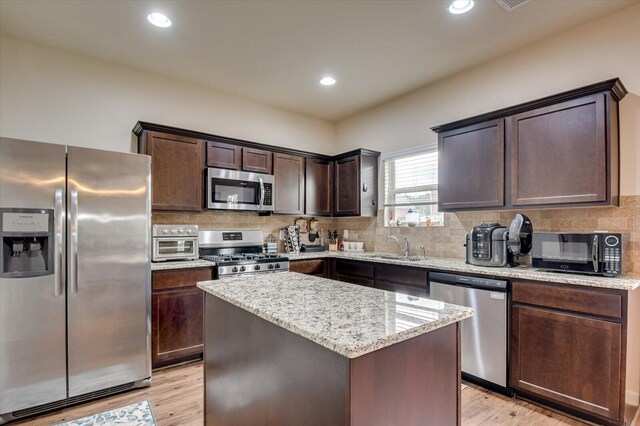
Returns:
(388, 163)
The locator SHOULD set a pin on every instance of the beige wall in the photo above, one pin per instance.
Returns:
(600, 50)
(55, 96)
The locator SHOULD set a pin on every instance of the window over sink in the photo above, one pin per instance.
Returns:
(411, 187)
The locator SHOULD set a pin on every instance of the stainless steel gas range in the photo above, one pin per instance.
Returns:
(239, 253)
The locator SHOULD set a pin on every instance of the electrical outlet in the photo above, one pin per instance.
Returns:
(345, 234)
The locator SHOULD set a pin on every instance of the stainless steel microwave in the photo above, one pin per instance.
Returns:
(234, 190)
(598, 253)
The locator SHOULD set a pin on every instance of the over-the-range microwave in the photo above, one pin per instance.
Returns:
(234, 190)
(598, 253)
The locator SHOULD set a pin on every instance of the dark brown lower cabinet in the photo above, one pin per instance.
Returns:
(352, 271)
(316, 267)
(177, 315)
(569, 348)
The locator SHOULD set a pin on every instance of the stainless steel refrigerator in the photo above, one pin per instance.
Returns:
(75, 291)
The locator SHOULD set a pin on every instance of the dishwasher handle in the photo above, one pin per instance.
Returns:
(467, 281)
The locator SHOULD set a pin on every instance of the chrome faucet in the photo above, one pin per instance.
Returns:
(403, 247)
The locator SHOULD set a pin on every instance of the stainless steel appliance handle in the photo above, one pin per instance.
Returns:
(595, 255)
(73, 243)
(59, 261)
(261, 194)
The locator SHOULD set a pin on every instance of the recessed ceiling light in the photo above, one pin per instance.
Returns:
(460, 6)
(327, 81)
(159, 20)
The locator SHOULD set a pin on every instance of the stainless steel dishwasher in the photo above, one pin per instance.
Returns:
(483, 338)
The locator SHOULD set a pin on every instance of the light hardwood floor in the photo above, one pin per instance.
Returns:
(176, 396)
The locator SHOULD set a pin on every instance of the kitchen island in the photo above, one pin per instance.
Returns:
(291, 349)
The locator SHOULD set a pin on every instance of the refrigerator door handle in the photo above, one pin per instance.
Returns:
(59, 264)
(73, 246)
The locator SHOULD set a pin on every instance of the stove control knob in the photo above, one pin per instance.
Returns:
(242, 269)
(234, 269)
(189, 231)
(173, 231)
(257, 267)
(271, 266)
(277, 266)
(165, 231)
(181, 231)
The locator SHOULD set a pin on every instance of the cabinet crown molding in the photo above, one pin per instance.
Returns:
(615, 86)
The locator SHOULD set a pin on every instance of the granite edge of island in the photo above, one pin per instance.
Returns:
(351, 351)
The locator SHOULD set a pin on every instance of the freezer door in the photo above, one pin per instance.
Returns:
(109, 277)
(483, 339)
(32, 310)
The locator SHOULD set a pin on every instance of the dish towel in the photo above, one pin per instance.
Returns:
(138, 414)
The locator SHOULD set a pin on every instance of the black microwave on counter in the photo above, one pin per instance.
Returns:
(596, 253)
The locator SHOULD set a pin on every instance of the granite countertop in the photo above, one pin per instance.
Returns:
(181, 264)
(348, 319)
(626, 282)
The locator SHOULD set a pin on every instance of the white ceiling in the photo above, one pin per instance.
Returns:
(276, 51)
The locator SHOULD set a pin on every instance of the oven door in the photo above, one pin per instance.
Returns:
(233, 190)
(174, 248)
(567, 252)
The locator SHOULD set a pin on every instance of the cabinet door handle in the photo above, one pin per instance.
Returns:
(364, 187)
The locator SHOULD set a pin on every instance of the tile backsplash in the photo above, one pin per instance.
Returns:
(446, 241)
(225, 220)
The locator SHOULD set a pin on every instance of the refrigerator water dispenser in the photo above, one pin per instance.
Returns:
(27, 242)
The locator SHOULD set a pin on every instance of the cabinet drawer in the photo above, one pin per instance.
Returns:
(570, 299)
(354, 268)
(179, 278)
(401, 275)
(310, 266)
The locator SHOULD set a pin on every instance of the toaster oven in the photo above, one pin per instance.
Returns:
(175, 242)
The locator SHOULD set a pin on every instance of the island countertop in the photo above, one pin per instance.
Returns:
(348, 319)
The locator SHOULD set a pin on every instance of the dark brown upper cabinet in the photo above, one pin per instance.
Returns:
(356, 184)
(305, 183)
(177, 170)
(558, 151)
(224, 155)
(288, 174)
(471, 166)
(318, 187)
(257, 160)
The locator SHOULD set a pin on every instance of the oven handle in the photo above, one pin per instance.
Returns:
(595, 255)
(261, 194)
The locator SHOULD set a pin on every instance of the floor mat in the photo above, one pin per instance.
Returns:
(138, 414)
